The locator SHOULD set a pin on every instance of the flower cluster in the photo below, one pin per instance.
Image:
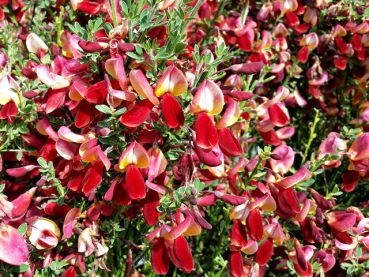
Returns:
(198, 138)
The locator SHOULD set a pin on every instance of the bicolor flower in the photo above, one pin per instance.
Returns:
(133, 158)
(44, 233)
(208, 100)
(171, 84)
(9, 91)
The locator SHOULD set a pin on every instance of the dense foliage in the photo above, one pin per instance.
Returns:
(184, 138)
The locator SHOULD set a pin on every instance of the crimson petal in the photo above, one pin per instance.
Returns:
(288, 202)
(90, 46)
(70, 221)
(254, 224)
(206, 134)
(152, 201)
(209, 157)
(341, 221)
(13, 249)
(159, 257)
(21, 203)
(238, 234)
(172, 112)
(96, 94)
(89, 7)
(303, 54)
(265, 252)
(93, 178)
(135, 183)
(230, 199)
(228, 143)
(270, 138)
(53, 209)
(247, 68)
(183, 253)
(278, 116)
(55, 100)
(300, 255)
(86, 113)
(236, 263)
(350, 180)
(137, 115)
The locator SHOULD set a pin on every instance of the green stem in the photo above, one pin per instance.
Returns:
(170, 181)
(221, 235)
(111, 263)
(210, 27)
(150, 17)
(253, 172)
(137, 259)
(222, 269)
(59, 24)
(114, 12)
(101, 71)
(4, 144)
(312, 136)
(286, 81)
(12, 16)
(130, 31)
(197, 74)
(194, 11)
(33, 10)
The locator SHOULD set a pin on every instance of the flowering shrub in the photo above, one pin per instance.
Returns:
(190, 138)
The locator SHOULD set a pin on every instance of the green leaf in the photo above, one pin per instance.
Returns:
(46, 59)
(143, 14)
(222, 225)
(41, 161)
(181, 190)
(20, 269)
(189, 191)
(107, 27)
(2, 186)
(103, 108)
(359, 252)
(259, 174)
(60, 189)
(134, 56)
(351, 269)
(124, 9)
(103, 124)
(19, 155)
(23, 130)
(290, 265)
(138, 49)
(60, 201)
(335, 156)
(172, 156)
(319, 171)
(176, 139)
(108, 140)
(97, 25)
(307, 183)
(120, 112)
(161, 209)
(345, 265)
(22, 229)
(198, 185)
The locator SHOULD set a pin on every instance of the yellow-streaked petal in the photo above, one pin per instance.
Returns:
(209, 98)
(136, 155)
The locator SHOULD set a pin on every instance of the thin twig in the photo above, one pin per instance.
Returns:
(311, 138)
